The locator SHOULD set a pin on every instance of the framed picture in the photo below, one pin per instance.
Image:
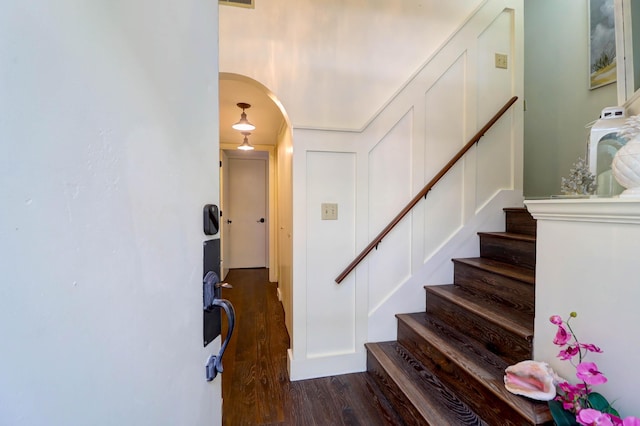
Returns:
(239, 3)
(602, 43)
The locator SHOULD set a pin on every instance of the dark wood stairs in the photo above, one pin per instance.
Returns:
(447, 366)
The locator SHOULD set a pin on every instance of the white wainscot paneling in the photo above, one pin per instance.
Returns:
(443, 211)
(389, 192)
(495, 161)
(390, 265)
(444, 125)
(495, 150)
(495, 85)
(330, 307)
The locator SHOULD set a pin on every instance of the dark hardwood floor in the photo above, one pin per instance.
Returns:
(255, 383)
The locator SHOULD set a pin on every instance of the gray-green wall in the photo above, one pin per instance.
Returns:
(559, 103)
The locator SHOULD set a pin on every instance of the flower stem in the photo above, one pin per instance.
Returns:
(585, 400)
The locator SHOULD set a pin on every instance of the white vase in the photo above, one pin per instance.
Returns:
(626, 167)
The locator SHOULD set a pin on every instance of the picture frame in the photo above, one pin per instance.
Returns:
(602, 43)
(238, 3)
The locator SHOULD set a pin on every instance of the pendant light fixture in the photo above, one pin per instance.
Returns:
(243, 125)
(246, 146)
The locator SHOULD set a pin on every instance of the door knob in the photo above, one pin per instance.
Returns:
(228, 221)
(261, 220)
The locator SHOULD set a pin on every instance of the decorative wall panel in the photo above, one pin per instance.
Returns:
(330, 307)
(389, 190)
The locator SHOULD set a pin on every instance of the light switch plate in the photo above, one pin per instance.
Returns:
(329, 211)
(501, 60)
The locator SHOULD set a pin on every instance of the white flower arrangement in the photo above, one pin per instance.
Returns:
(580, 181)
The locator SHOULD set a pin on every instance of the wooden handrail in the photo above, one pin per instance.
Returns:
(373, 244)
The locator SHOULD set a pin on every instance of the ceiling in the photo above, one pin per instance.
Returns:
(264, 113)
(335, 64)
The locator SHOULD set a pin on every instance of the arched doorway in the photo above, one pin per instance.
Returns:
(271, 138)
(272, 142)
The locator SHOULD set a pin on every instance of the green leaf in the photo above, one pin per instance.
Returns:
(598, 401)
(601, 404)
(561, 416)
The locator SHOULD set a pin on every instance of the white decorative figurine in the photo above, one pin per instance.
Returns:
(626, 163)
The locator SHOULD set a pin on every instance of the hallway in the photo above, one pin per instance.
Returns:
(255, 383)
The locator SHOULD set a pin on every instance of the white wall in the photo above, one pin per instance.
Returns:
(372, 174)
(108, 152)
(587, 263)
(334, 66)
(559, 102)
(284, 155)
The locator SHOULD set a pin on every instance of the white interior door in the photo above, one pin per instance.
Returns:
(247, 219)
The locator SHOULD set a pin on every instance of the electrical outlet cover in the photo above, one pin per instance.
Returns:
(329, 211)
(501, 60)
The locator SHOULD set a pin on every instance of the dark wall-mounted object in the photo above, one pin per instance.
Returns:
(211, 222)
(211, 263)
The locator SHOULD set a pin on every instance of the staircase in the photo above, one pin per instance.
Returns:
(447, 366)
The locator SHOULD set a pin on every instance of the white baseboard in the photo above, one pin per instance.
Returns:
(311, 368)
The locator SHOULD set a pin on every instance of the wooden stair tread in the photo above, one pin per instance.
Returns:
(425, 392)
(519, 324)
(520, 273)
(472, 357)
(510, 236)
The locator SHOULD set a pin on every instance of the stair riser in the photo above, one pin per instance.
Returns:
(468, 387)
(510, 347)
(516, 252)
(520, 221)
(502, 289)
(394, 395)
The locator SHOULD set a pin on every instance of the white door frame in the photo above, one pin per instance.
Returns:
(224, 229)
(272, 232)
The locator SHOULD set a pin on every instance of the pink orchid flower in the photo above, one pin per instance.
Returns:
(591, 417)
(590, 347)
(570, 396)
(568, 353)
(570, 389)
(562, 336)
(555, 319)
(575, 398)
(588, 372)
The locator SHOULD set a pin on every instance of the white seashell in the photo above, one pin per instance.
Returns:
(533, 379)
